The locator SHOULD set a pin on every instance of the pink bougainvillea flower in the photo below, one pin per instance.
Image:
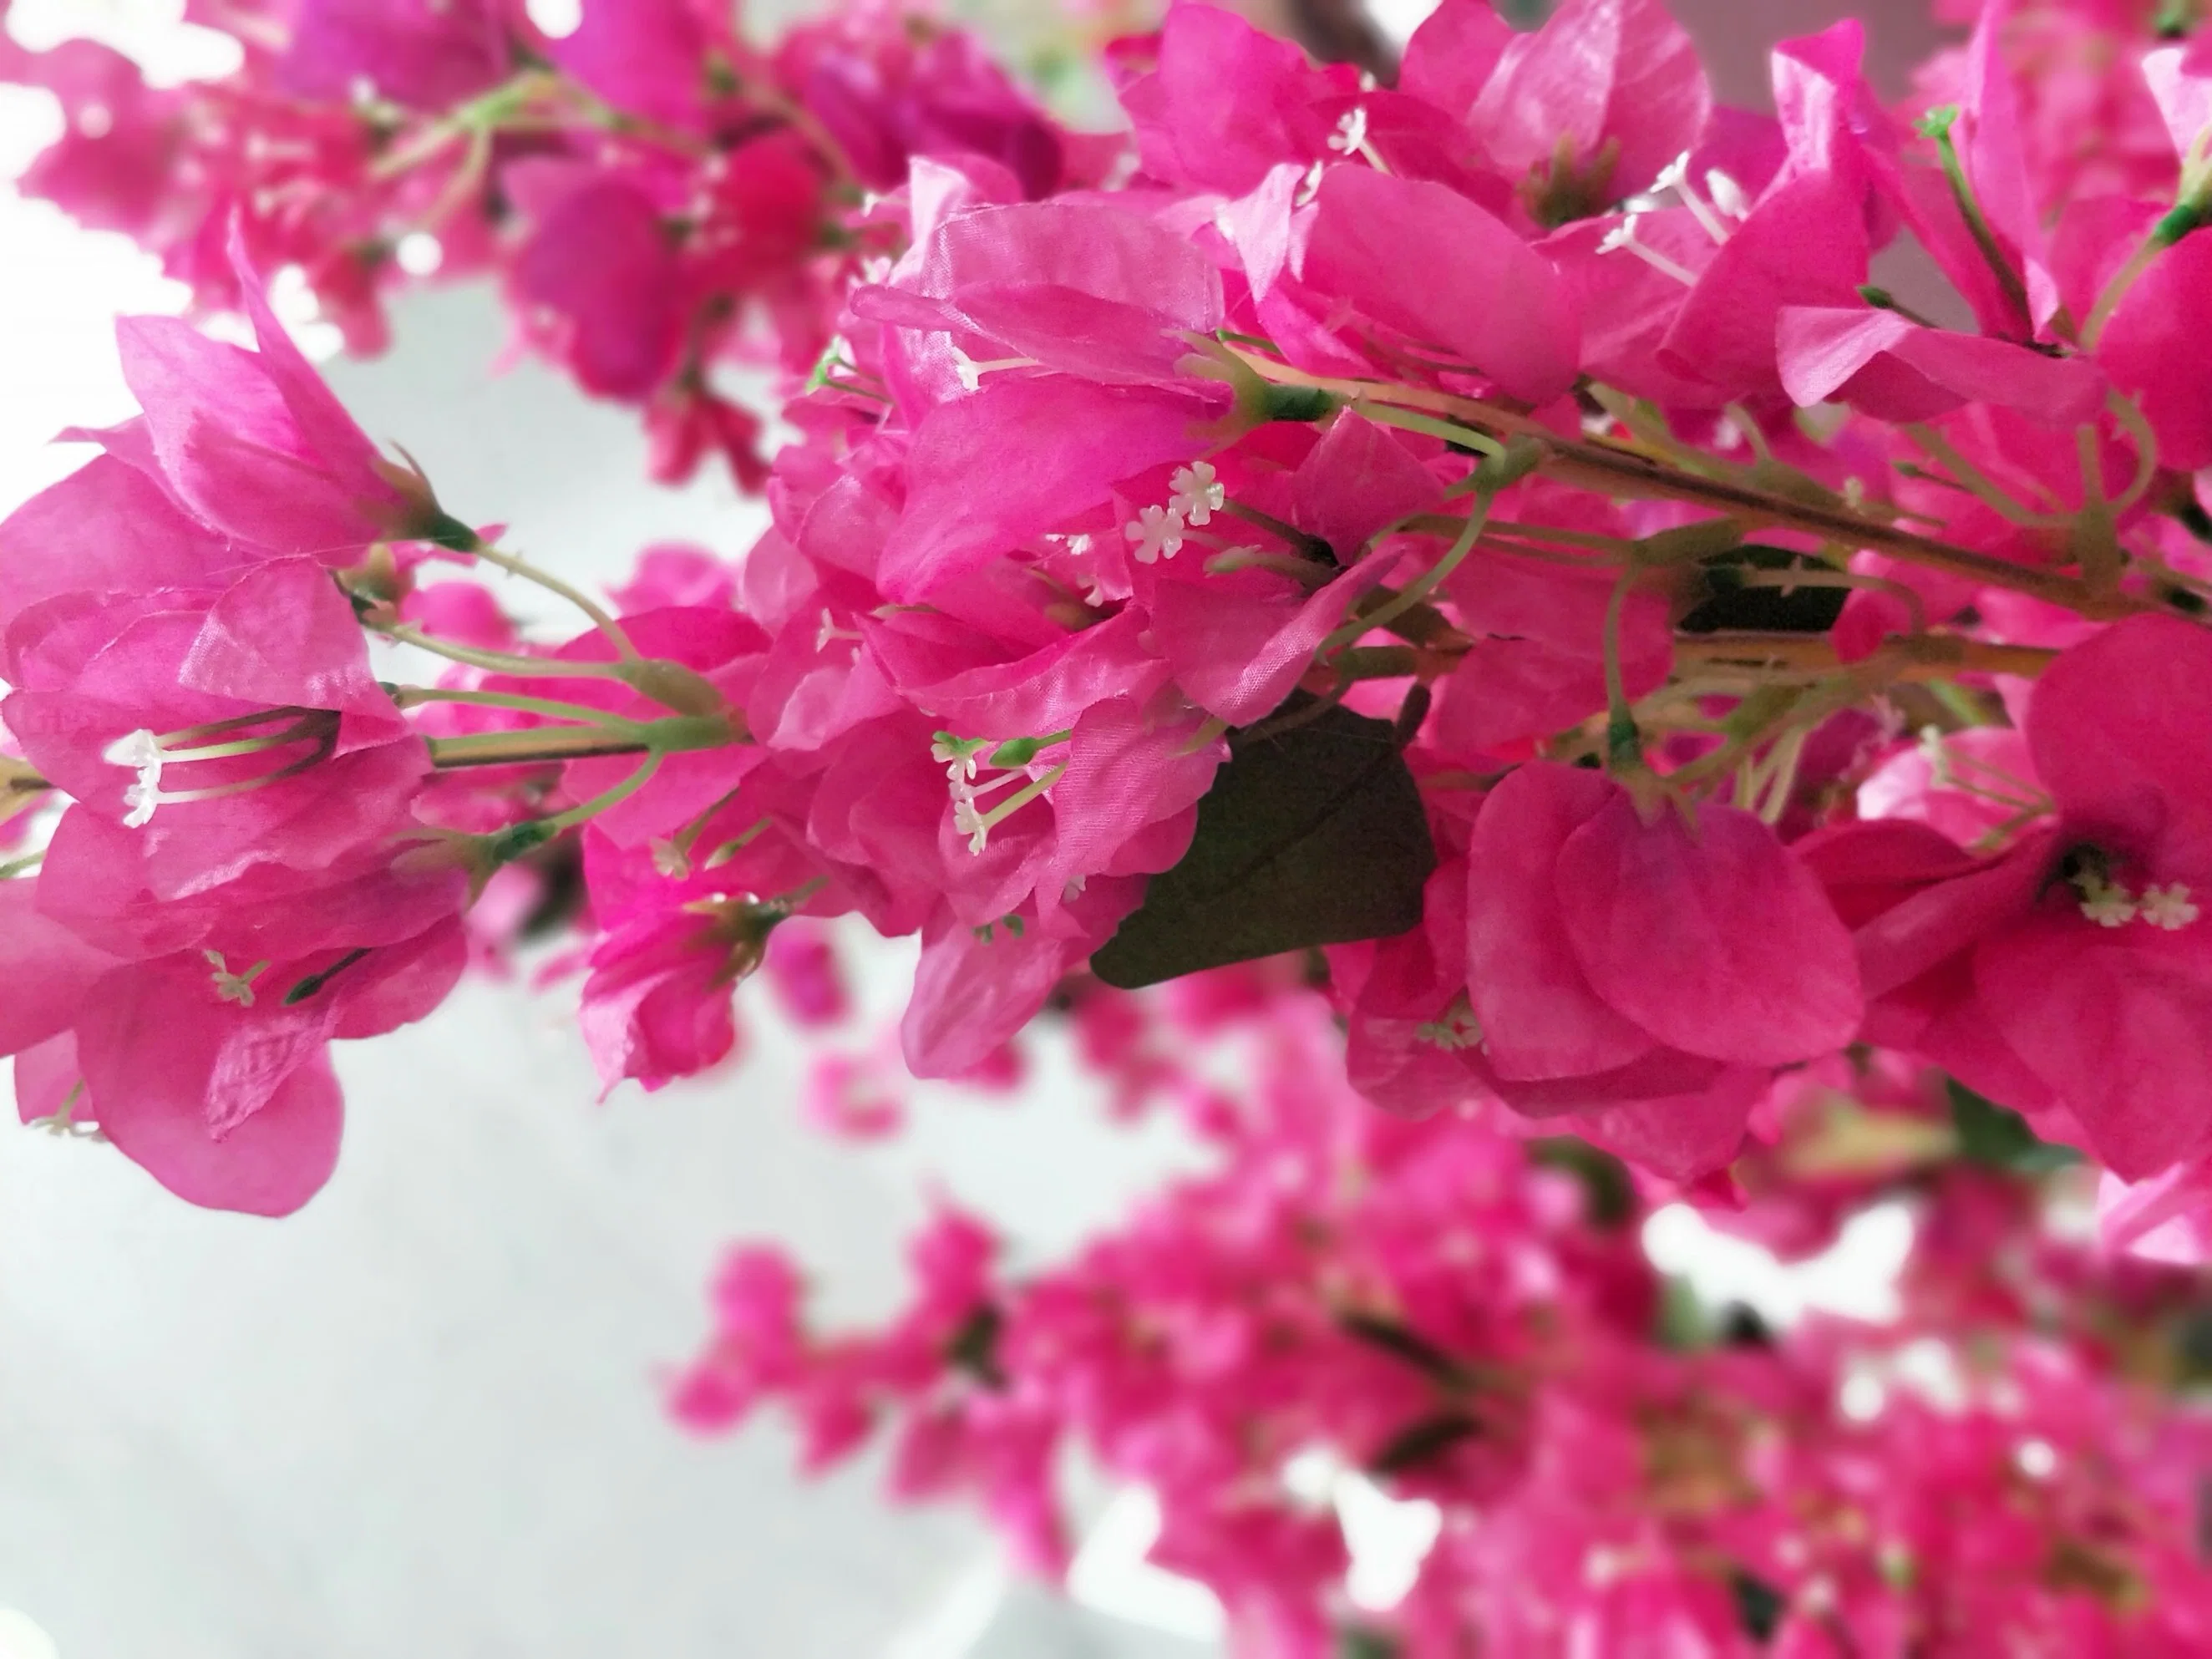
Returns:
(2180, 82)
(1093, 289)
(1239, 643)
(2103, 986)
(1804, 243)
(657, 1005)
(228, 727)
(424, 54)
(1596, 935)
(1224, 102)
(1478, 293)
(114, 166)
(1894, 369)
(599, 281)
(2150, 347)
(106, 528)
(1588, 107)
(1537, 662)
(646, 57)
(255, 445)
(2166, 1217)
(975, 986)
(207, 1067)
(1071, 442)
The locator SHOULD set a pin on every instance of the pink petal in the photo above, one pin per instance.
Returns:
(45, 971)
(2115, 728)
(1479, 292)
(1539, 1017)
(1715, 940)
(2120, 1032)
(1019, 458)
(2152, 346)
(226, 1110)
(1893, 369)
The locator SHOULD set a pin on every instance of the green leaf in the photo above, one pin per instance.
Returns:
(1609, 1198)
(1990, 1133)
(1359, 1642)
(1312, 834)
(1759, 1605)
(1422, 1442)
(1727, 603)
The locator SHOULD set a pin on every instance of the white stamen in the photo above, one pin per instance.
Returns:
(959, 756)
(2168, 907)
(1673, 174)
(1310, 184)
(1198, 493)
(971, 376)
(1351, 132)
(1158, 533)
(829, 631)
(138, 751)
(1728, 195)
(229, 987)
(972, 824)
(1621, 236)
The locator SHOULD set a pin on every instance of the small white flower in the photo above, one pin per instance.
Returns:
(1158, 533)
(2169, 907)
(1198, 493)
(2106, 903)
(1351, 130)
(1459, 1029)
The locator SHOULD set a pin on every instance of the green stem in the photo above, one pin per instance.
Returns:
(410, 697)
(667, 737)
(1938, 127)
(621, 792)
(497, 662)
(1417, 590)
(601, 618)
(1450, 431)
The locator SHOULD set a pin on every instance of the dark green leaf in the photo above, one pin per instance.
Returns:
(1312, 834)
(1422, 1442)
(1759, 1605)
(1726, 603)
(1990, 1133)
(1401, 1342)
(1359, 1642)
(1608, 1191)
(974, 1348)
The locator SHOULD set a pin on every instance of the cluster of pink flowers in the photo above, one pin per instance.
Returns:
(1471, 579)
(1442, 1315)
(660, 200)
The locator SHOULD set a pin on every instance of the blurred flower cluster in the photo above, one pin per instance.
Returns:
(1470, 584)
